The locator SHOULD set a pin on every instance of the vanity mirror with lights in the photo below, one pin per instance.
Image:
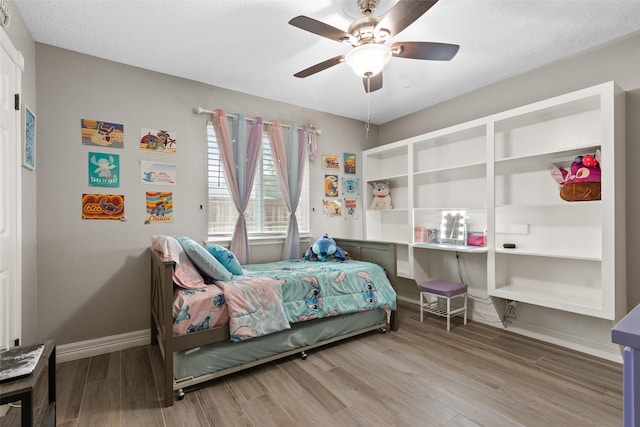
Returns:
(453, 228)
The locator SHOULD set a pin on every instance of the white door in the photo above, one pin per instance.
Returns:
(11, 63)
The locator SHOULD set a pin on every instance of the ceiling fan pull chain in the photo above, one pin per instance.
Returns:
(366, 126)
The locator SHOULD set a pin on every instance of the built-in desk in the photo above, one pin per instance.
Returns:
(22, 390)
(627, 333)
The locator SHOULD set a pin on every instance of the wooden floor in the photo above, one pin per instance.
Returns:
(475, 375)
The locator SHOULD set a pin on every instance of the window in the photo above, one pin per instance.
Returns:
(267, 212)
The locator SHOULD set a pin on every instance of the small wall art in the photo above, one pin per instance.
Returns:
(28, 138)
(157, 173)
(101, 133)
(159, 207)
(331, 185)
(349, 163)
(159, 141)
(330, 162)
(351, 209)
(332, 208)
(102, 206)
(104, 170)
(350, 186)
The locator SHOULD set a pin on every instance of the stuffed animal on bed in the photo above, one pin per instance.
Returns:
(582, 181)
(381, 196)
(325, 249)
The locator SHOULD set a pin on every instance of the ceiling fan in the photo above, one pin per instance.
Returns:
(369, 34)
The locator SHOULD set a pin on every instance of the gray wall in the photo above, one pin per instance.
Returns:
(618, 61)
(94, 274)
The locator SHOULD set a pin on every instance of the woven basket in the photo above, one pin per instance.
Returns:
(580, 191)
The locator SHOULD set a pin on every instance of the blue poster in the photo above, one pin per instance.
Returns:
(104, 170)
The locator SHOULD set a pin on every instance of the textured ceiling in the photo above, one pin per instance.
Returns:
(248, 46)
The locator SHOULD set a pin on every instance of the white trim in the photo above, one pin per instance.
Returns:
(257, 240)
(409, 300)
(14, 54)
(15, 174)
(82, 349)
(95, 347)
(592, 348)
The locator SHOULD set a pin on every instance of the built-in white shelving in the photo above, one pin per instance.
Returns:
(569, 255)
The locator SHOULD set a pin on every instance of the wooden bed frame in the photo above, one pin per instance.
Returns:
(381, 253)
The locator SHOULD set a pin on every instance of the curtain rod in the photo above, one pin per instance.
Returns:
(200, 110)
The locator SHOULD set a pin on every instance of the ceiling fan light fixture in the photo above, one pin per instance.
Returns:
(368, 59)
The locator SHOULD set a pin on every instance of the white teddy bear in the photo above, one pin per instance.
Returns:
(381, 196)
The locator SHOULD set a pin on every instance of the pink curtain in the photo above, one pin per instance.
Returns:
(239, 143)
(289, 151)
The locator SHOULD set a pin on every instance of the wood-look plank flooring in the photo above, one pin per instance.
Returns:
(421, 375)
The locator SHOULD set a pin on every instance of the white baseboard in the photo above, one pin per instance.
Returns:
(489, 317)
(408, 300)
(608, 351)
(82, 349)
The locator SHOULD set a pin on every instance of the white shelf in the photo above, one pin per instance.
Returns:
(585, 256)
(401, 179)
(450, 247)
(574, 300)
(544, 158)
(569, 255)
(452, 173)
(388, 211)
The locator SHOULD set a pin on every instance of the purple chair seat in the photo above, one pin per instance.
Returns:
(444, 288)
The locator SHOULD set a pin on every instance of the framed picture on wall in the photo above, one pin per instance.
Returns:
(330, 162)
(28, 138)
(349, 163)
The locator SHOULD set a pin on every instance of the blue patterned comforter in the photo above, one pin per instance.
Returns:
(269, 297)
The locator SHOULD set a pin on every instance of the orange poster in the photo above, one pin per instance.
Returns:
(102, 206)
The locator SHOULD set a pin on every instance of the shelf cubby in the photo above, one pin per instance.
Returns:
(453, 148)
(563, 283)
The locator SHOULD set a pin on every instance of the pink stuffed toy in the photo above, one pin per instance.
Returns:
(582, 181)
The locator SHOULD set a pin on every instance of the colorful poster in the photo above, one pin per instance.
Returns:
(159, 207)
(157, 173)
(102, 206)
(104, 170)
(350, 186)
(103, 134)
(351, 209)
(330, 162)
(332, 208)
(331, 185)
(158, 141)
(349, 163)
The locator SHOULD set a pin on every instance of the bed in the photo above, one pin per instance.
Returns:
(197, 354)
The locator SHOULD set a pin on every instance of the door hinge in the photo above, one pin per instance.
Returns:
(16, 342)
(17, 102)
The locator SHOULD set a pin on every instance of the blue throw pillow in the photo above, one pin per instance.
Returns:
(226, 258)
(203, 260)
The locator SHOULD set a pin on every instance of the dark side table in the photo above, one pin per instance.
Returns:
(22, 390)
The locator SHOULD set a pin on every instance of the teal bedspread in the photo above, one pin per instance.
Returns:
(270, 297)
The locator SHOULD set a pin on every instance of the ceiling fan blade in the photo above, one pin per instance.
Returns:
(319, 28)
(320, 66)
(373, 83)
(403, 14)
(425, 50)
